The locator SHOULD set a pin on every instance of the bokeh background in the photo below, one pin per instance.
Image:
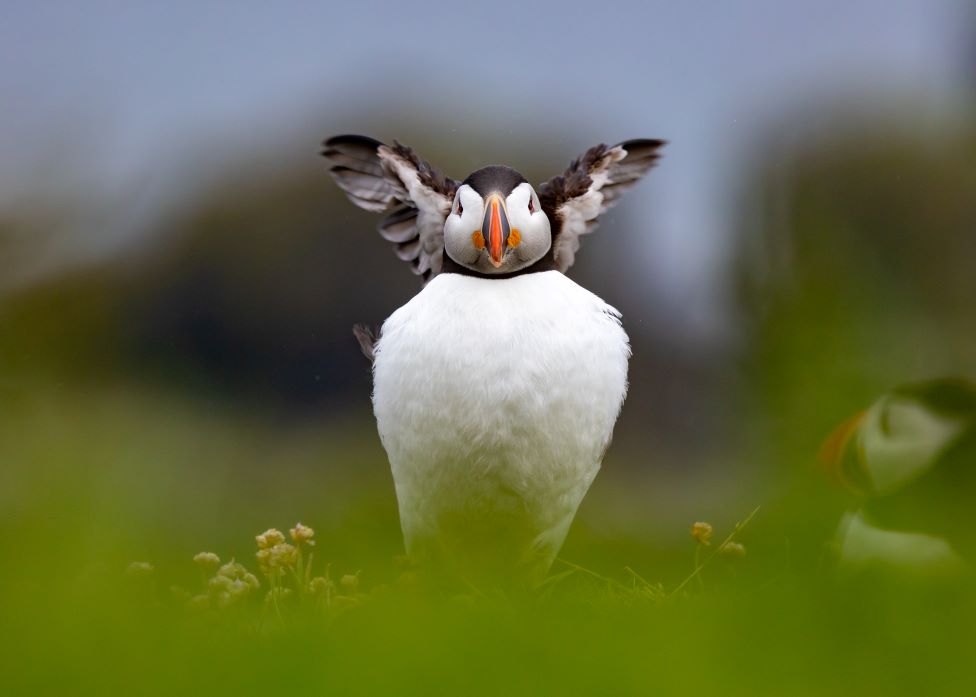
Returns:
(177, 282)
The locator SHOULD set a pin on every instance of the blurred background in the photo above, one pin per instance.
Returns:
(176, 365)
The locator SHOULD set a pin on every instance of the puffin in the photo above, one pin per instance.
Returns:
(497, 386)
(909, 463)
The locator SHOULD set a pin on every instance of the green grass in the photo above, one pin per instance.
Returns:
(93, 480)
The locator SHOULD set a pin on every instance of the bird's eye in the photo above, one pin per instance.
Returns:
(459, 209)
(531, 205)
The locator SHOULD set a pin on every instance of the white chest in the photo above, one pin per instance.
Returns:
(498, 398)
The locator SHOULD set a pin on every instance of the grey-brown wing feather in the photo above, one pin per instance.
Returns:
(592, 184)
(367, 337)
(395, 180)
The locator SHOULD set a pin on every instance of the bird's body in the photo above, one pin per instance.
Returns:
(495, 401)
(497, 387)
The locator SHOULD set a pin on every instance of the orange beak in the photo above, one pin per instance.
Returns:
(496, 229)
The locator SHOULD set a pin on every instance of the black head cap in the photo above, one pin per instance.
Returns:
(494, 178)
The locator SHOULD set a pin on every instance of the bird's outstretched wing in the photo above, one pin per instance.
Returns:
(396, 181)
(591, 185)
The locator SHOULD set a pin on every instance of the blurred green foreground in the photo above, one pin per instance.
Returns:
(773, 622)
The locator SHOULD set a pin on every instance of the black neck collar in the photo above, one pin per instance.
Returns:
(546, 263)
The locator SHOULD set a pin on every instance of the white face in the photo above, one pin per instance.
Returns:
(495, 235)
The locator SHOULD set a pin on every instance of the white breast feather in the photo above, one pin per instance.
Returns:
(498, 397)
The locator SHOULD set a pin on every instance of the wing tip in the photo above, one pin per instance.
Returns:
(643, 147)
(333, 144)
(367, 337)
(349, 139)
(644, 142)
